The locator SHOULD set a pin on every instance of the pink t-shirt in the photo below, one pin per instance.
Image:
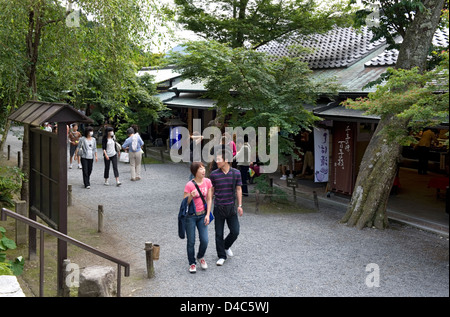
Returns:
(204, 187)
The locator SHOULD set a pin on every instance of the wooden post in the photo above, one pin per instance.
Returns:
(100, 218)
(295, 196)
(316, 201)
(62, 205)
(69, 195)
(21, 228)
(9, 152)
(149, 257)
(18, 159)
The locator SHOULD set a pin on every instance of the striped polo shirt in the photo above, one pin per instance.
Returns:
(223, 185)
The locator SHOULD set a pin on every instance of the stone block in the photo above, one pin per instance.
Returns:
(10, 287)
(97, 281)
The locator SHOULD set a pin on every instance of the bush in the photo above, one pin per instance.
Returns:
(10, 183)
(9, 267)
(274, 193)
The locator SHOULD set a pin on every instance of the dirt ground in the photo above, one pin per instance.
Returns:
(82, 226)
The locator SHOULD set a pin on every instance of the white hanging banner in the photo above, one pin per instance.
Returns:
(321, 155)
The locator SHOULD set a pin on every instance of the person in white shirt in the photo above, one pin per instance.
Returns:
(110, 155)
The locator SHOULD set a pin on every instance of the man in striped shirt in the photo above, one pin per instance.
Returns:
(227, 188)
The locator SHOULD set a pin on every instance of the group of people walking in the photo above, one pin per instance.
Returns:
(225, 185)
(84, 149)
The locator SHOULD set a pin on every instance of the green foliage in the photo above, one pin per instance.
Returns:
(9, 267)
(420, 98)
(262, 184)
(254, 23)
(251, 88)
(142, 107)
(10, 183)
(5, 269)
(92, 64)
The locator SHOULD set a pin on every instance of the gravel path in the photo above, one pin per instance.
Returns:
(306, 254)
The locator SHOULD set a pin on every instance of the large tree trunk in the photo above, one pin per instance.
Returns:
(33, 41)
(373, 184)
(418, 38)
(379, 165)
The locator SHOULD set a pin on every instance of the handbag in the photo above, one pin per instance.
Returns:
(124, 157)
(211, 216)
(118, 147)
(80, 152)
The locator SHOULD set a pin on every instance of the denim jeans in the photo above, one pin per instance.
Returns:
(198, 222)
(222, 214)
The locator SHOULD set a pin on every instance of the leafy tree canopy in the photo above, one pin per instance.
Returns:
(88, 56)
(420, 98)
(253, 89)
(256, 22)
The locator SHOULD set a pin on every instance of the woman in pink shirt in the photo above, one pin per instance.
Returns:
(202, 217)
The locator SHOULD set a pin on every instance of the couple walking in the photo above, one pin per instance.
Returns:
(226, 186)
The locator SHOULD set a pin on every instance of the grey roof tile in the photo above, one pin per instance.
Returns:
(340, 47)
(389, 58)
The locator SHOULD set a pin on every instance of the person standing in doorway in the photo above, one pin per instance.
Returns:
(87, 149)
(199, 190)
(74, 139)
(110, 155)
(133, 145)
(423, 148)
(227, 188)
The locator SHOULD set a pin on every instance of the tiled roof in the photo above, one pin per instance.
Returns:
(389, 58)
(340, 47)
(189, 100)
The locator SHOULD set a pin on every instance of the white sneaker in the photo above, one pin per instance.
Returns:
(220, 262)
(106, 183)
(79, 166)
(88, 187)
(203, 264)
(118, 183)
(192, 268)
(229, 252)
(283, 178)
(70, 166)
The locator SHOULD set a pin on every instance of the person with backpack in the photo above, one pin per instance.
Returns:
(199, 190)
(133, 145)
(227, 190)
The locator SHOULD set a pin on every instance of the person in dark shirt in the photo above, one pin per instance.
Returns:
(224, 179)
